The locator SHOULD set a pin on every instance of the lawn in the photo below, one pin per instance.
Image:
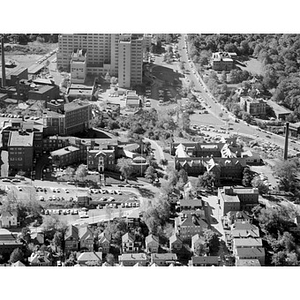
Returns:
(253, 66)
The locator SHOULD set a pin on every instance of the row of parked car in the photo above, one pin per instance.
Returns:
(61, 212)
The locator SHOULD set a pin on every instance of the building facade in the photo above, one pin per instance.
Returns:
(255, 107)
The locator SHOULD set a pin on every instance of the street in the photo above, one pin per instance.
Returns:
(216, 108)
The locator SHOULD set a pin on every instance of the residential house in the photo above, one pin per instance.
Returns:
(131, 259)
(247, 263)
(163, 259)
(92, 258)
(251, 253)
(152, 243)
(201, 261)
(175, 243)
(129, 243)
(104, 242)
(71, 239)
(8, 219)
(187, 225)
(18, 264)
(133, 219)
(222, 61)
(40, 258)
(86, 238)
(8, 242)
(246, 243)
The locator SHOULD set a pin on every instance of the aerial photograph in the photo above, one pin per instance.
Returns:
(149, 150)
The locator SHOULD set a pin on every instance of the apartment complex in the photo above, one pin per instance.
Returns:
(255, 107)
(120, 55)
(236, 199)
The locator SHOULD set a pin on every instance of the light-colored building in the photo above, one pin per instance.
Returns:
(163, 259)
(129, 244)
(86, 258)
(86, 238)
(131, 259)
(8, 219)
(255, 107)
(120, 55)
(152, 243)
(104, 242)
(78, 66)
(130, 60)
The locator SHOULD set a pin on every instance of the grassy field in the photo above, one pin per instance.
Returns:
(253, 66)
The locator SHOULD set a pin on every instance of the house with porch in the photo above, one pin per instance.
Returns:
(129, 243)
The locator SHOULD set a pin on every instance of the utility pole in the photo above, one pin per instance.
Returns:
(3, 80)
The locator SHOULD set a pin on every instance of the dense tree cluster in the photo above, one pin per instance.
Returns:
(278, 53)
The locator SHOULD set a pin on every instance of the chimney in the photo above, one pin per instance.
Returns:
(3, 81)
(286, 142)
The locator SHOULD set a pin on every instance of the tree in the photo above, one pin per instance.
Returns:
(164, 162)
(212, 241)
(207, 180)
(110, 259)
(25, 235)
(247, 176)
(260, 185)
(113, 80)
(182, 174)
(221, 115)
(107, 77)
(150, 174)
(70, 171)
(287, 172)
(125, 167)
(81, 172)
(16, 255)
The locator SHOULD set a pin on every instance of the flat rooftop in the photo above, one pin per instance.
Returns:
(64, 151)
(278, 108)
(75, 105)
(21, 140)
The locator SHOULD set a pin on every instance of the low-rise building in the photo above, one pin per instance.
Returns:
(8, 219)
(251, 253)
(175, 243)
(247, 263)
(197, 240)
(152, 243)
(65, 156)
(104, 242)
(40, 258)
(280, 112)
(129, 243)
(90, 258)
(188, 225)
(255, 107)
(71, 239)
(132, 100)
(8, 242)
(163, 259)
(222, 61)
(204, 261)
(252, 158)
(86, 238)
(236, 199)
(131, 259)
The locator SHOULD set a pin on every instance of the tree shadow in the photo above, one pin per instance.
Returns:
(146, 193)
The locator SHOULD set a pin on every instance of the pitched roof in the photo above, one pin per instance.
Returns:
(133, 256)
(250, 252)
(18, 264)
(164, 256)
(248, 263)
(174, 238)
(85, 230)
(128, 236)
(205, 259)
(104, 237)
(151, 238)
(90, 256)
(248, 242)
(72, 231)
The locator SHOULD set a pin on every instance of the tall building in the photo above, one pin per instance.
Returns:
(120, 55)
(255, 107)
(130, 65)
